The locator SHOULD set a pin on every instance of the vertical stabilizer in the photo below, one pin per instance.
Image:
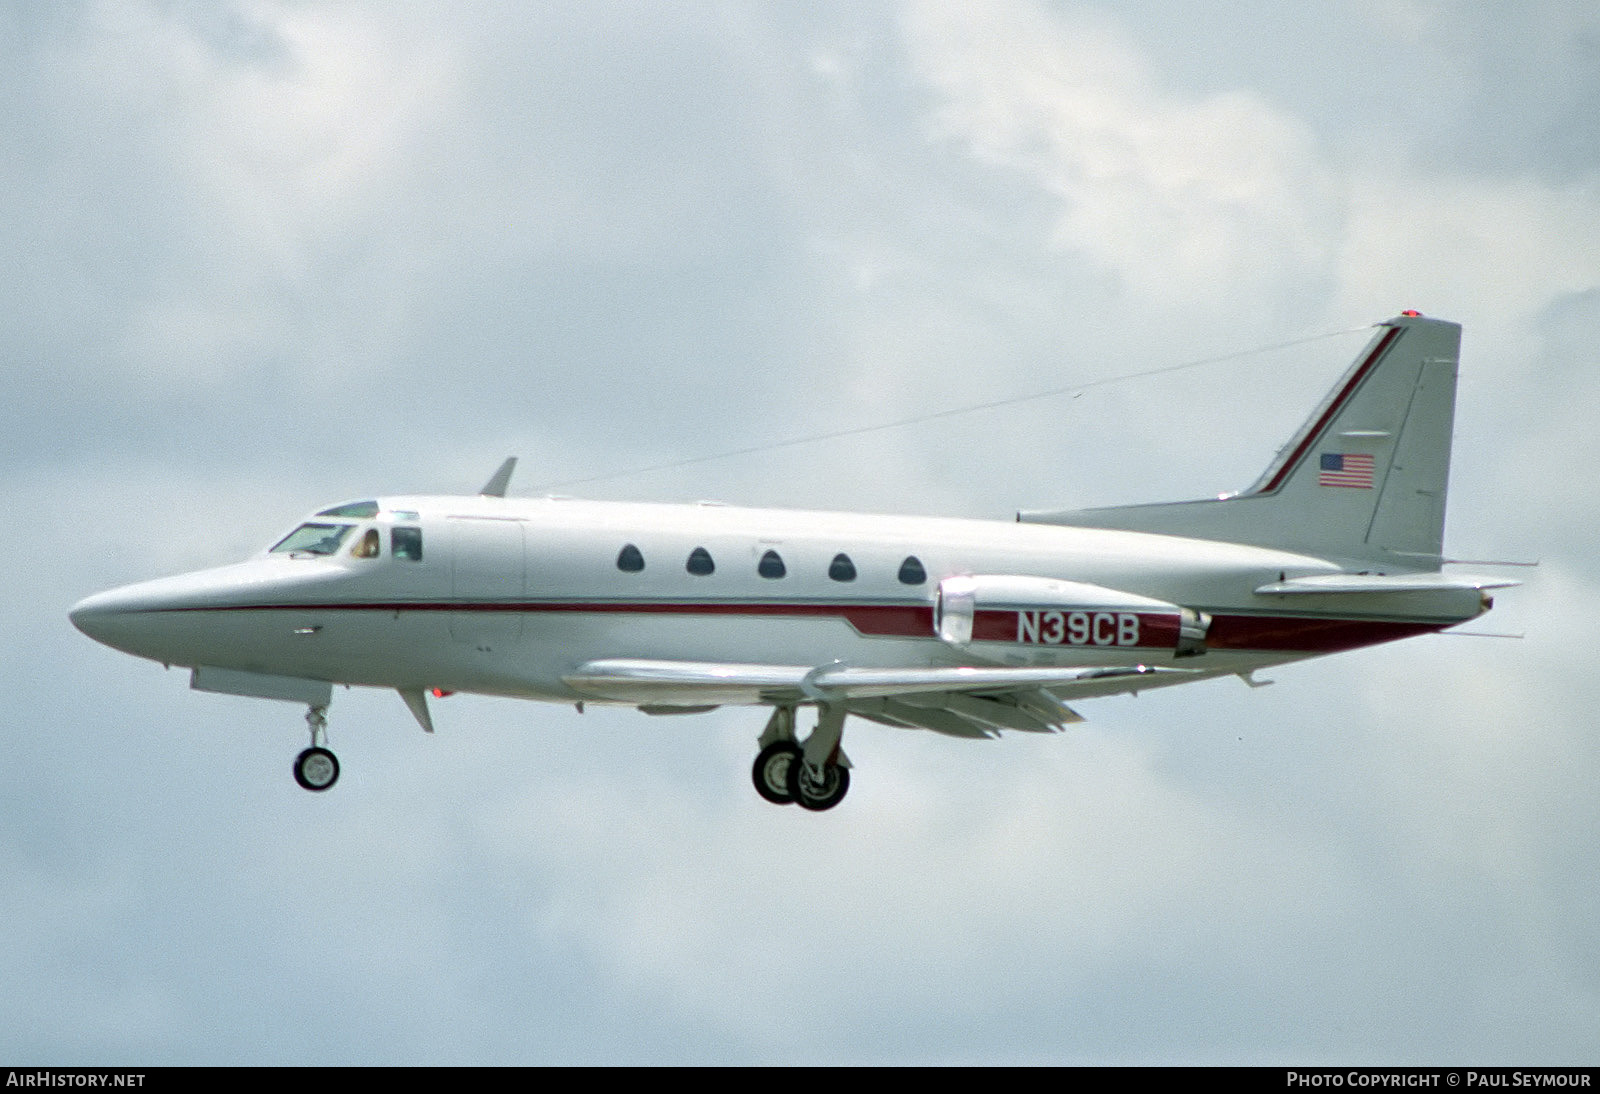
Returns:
(1365, 478)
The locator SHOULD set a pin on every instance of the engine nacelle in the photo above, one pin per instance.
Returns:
(1043, 611)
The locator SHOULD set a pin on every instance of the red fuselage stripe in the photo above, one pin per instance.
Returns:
(1288, 634)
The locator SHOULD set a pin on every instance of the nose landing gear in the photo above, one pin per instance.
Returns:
(316, 768)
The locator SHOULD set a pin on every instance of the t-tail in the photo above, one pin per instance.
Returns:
(1364, 479)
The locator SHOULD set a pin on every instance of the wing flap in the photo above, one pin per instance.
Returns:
(1046, 707)
(957, 715)
(994, 713)
(938, 719)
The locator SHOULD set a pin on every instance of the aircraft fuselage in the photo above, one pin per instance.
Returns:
(510, 596)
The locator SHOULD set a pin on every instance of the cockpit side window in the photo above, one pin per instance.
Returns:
(313, 538)
(407, 544)
(367, 546)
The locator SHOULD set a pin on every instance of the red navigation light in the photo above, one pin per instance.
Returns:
(1412, 313)
(440, 693)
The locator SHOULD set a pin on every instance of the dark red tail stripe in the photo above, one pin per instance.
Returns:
(1334, 407)
(1302, 635)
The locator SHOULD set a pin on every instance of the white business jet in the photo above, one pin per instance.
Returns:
(964, 627)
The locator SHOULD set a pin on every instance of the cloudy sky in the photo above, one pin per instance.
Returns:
(268, 254)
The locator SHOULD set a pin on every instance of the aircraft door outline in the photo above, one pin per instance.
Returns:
(486, 581)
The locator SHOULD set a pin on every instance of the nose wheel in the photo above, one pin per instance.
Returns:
(316, 768)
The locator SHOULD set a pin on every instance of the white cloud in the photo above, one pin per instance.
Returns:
(1208, 201)
(1494, 249)
(1188, 201)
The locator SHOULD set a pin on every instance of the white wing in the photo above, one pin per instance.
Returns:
(963, 702)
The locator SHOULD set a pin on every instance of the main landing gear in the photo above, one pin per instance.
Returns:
(814, 775)
(316, 768)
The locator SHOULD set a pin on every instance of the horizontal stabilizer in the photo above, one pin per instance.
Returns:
(1385, 583)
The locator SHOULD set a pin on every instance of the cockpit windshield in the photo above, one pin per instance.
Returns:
(313, 538)
(360, 509)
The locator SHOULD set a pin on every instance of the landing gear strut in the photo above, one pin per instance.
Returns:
(778, 751)
(316, 768)
(821, 778)
(814, 775)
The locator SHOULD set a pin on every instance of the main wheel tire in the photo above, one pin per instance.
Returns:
(316, 769)
(771, 771)
(808, 793)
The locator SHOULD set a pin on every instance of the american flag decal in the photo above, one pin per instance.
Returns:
(1345, 469)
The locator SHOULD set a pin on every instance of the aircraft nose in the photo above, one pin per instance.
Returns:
(180, 620)
(152, 619)
(111, 616)
(89, 614)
